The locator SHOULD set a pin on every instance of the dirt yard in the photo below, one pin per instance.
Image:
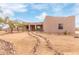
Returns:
(40, 43)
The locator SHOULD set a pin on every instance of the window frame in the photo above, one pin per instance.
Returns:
(60, 26)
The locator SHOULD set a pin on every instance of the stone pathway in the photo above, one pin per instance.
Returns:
(43, 46)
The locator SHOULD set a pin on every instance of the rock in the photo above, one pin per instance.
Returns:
(76, 35)
(6, 48)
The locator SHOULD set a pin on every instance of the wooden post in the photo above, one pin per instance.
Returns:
(29, 27)
(35, 27)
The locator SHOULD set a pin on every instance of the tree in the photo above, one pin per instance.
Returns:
(1, 23)
(1, 20)
(20, 24)
(11, 25)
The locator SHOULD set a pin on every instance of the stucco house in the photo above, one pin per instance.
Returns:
(59, 24)
(54, 24)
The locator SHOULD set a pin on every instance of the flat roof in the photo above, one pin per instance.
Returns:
(35, 23)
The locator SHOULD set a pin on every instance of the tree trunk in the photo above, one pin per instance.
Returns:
(11, 30)
(18, 29)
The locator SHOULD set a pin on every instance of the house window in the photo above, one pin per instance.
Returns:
(60, 26)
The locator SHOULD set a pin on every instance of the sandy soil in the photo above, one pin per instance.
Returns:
(65, 44)
(41, 43)
(22, 41)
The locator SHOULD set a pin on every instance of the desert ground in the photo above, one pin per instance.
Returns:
(38, 43)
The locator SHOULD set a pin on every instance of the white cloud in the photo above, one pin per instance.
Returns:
(41, 17)
(58, 8)
(76, 13)
(76, 9)
(39, 6)
(10, 9)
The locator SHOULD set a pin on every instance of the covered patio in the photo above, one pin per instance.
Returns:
(34, 26)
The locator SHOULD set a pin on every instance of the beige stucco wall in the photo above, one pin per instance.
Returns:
(51, 24)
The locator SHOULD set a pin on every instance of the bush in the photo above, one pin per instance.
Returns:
(65, 33)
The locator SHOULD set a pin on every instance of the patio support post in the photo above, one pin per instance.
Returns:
(29, 27)
(35, 27)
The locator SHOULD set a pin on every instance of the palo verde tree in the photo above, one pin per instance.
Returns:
(1, 22)
(10, 23)
(20, 24)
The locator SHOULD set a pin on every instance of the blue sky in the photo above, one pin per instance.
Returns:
(36, 12)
